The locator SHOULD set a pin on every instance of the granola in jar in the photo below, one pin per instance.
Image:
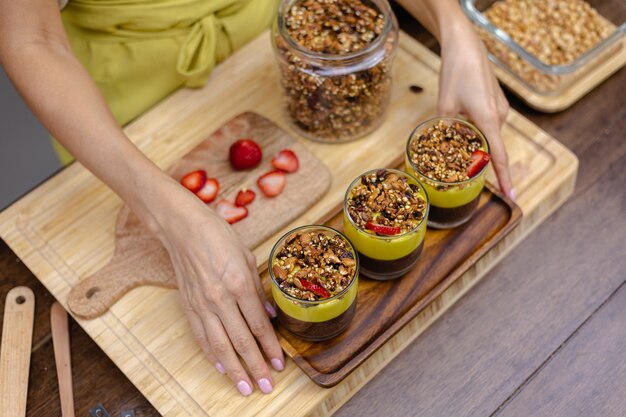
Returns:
(335, 59)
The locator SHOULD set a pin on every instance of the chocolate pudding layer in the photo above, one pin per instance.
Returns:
(384, 270)
(446, 218)
(317, 331)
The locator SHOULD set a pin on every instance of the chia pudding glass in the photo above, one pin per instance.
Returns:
(384, 216)
(335, 60)
(314, 271)
(440, 152)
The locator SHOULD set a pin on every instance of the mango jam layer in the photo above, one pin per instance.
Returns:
(455, 195)
(315, 312)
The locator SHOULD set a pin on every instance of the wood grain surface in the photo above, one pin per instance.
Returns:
(140, 258)
(17, 334)
(64, 231)
(385, 307)
(435, 375)
(62, 357)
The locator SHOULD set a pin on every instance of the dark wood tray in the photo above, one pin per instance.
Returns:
(384, 307)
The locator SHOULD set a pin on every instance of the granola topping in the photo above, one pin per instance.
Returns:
(388, 199)
(335, 101)
(314, 265)
(443, 152)
(556, 32)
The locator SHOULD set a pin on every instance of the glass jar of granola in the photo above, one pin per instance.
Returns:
(335, 60)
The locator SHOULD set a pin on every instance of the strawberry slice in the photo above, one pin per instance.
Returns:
(272, 183)
(382, 229)
(244, 197)
(286, 160)
(245, 154)
(314, 288)
(478, 160)
(209, 191)
(194, 181)
(230, 212)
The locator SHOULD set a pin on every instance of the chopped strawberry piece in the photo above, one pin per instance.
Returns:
(245, 154)
(272, 183)
(244, 197)
(194, 181)
(314, 288)
(382, 229)
(286, 160)
(230, 212)
(478, 160)
(209, 191)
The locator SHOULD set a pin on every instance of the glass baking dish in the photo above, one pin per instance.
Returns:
(527, 69)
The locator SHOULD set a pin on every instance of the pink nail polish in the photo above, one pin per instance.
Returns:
(265, 385)
(244, 388)
(512, 194)
(270, 309)
(277, 364)
(220, 368)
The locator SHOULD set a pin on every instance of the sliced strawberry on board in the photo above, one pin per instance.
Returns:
(286, 160)
(209, 191)
(245, 154)
(314, 288)
(194, 181)
(272, 183)
(478, 160)
(382, 229)
(244, 197)
(230, 212)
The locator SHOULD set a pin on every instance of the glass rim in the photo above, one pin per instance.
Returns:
(395, 171)
(314, 226)
(385, 10)
(456, 119)
(478, 18)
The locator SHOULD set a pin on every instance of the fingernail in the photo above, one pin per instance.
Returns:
(265, 385)
(220, 368)
(278, 364)
(270, 309)
(512, 194)
(244, 388)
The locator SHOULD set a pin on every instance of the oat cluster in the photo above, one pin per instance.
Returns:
(386, 199)
(321, 258)
(334, 26)
(443, 152)
(555, 31)
(328, 101)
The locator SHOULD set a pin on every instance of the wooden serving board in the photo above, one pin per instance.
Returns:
(384, 307)
(139, 257)
(65, 231)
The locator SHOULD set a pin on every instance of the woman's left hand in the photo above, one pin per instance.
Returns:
(467, 86)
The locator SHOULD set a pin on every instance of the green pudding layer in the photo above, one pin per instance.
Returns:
(318, 311)
(383, 248)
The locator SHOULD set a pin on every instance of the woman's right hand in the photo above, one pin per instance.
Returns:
(221, 294)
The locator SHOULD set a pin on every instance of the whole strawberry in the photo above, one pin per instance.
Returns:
(245, 154)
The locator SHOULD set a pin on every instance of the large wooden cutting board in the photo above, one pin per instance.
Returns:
(64, 231)
(139, 256)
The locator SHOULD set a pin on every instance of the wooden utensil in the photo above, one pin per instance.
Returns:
(61, 342)
(17, 336)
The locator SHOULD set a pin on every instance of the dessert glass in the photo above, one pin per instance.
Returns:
(451, 203)
(340, 92)
(314, 319)
(386, 257)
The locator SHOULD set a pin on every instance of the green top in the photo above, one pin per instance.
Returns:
(139, 51)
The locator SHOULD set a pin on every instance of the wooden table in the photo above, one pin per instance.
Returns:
(542, 334)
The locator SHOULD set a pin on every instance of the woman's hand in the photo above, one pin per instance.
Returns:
(221, 294)
(467, 86)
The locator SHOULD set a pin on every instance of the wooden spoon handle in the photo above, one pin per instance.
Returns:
(61, 342)
(17, 337)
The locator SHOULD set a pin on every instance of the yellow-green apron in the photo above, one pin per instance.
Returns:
(139, 51)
